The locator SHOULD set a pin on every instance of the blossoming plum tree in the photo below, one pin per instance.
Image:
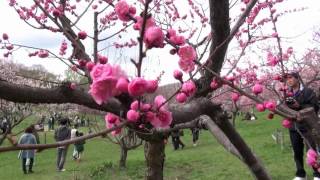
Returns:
(196, 35)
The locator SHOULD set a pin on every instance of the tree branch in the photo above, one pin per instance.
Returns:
(61, 143)
(57, 95)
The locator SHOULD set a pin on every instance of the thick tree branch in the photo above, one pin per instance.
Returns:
(58, 95)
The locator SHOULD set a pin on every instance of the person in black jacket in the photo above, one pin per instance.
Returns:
(303, 97)
(61, 134)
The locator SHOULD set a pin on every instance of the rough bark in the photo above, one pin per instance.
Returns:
(219, 135)
(155, 156)
(220, 30)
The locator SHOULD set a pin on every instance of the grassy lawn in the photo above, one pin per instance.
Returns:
(208, 160)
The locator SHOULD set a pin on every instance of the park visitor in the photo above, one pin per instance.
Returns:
(62, 133)
(176, 141)
(303, 97)
(195, 135)
(27, 156)
(79, 147)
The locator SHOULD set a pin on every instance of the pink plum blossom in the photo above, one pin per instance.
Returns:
(270, 105)
(134, 105)
(102, 59)
(154, 37)
(187, 55)
(235, 97)
(56, 12)
(82, 62)
(177, 75)
(286, 123)
(112, 121)
(137, 87)
(312, 157)
(159, 100)
(90, 65)
(189, 88)
(123, 10)
(105, 78)
(43, 54)
(82, 35)
(186, 66)
(152, 86)
(138, 25)
(162, 118)
(133, 116)
(103, 89)
(111, 118)
(181, 97)
(260, 107)
(146, 107)
(122, 85)
(257, 89)
(214, 84)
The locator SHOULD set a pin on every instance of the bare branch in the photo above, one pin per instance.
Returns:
(61, 143)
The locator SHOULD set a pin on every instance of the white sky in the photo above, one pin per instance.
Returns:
(299, 25)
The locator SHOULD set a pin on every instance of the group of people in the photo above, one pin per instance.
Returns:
(62, 133)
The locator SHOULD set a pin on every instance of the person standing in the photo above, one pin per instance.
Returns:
(79, 147)
(27, 138)
(176, 141)
(62, 133)
(195, 135)
(303, 97)
(74, 132)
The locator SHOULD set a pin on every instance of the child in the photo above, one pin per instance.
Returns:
(79, 147)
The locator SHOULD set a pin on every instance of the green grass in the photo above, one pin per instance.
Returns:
(208, 160)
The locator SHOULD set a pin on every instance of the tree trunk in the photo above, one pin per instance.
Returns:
(253, 163)
(154, 154)
(123, 157)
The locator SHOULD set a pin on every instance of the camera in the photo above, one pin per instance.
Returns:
(290, 100)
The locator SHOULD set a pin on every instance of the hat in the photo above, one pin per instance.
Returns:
(293, 74)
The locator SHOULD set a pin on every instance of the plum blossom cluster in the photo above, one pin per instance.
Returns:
(187, 90)
(112, 120)
(9, 47)
(154, 37)
(63, 48)
(109, 81)
(124, 11)
(144, 115)
(104, 81)
(156, 114)
(313, 159)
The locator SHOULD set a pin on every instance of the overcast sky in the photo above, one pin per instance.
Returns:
(298, 27)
